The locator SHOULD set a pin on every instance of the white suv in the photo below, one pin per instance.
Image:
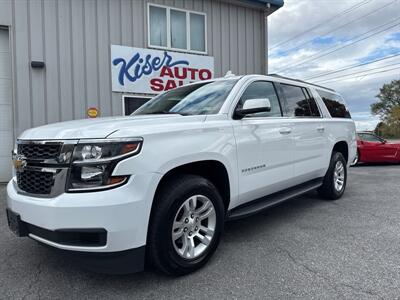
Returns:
(161, 182)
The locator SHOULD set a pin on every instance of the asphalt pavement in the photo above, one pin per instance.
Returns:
(306, 248)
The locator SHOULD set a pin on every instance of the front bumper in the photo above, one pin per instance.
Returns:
(123, 213)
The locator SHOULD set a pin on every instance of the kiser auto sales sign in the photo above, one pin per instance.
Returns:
(148, 71)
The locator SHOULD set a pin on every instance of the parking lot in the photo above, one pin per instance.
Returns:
(306, 248)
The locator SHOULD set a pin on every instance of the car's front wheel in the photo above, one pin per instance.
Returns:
(335, 178)
(186, 224)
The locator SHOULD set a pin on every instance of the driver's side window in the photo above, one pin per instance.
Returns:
(262, 90)
(369, 138)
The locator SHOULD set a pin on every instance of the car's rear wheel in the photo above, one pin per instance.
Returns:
(186, 224)
(335, 180)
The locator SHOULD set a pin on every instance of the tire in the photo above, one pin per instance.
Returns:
(171, 207)
(331, 189)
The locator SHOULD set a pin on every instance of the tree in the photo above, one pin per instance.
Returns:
(389, 98)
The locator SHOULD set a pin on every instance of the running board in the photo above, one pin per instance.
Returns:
(266, 202)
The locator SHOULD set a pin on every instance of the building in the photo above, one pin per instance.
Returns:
(70, 59)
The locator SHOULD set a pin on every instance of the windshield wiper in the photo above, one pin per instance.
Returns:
(164, 113)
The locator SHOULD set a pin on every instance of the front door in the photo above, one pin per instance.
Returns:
(375, 149)
(264, 146)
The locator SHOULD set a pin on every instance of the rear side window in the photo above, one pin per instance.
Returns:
(313, 105)
(299, 102)
(262, 89)
(335, 105)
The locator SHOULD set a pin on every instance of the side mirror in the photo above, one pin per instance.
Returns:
(384, 141)
(252, 106)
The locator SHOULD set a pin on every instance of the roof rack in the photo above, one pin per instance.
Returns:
(302, 81)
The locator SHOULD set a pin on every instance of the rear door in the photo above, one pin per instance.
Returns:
(264, 146)
(310, 139)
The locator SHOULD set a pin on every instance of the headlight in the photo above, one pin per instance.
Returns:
(93, 162)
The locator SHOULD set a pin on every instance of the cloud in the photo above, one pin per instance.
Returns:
(316, 18)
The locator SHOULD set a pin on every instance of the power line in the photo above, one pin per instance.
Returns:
(360, 73)
(344, 25)
(357, 73)
(312, 58)
(353, 66)
(365, 75)
(341, 14)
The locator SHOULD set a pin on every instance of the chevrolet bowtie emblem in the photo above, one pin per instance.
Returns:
(19, 162)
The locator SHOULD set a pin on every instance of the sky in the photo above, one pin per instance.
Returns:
(304, 32)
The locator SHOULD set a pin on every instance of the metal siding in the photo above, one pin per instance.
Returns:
(91, 53)
(249, 32)
(103, 46)
(52, 110)
(78, 59)
(73, 37)
(6, 13)
(126, 22)
(21, 71)
(216, 38)
(257, 42)
(233, 39)
(241, 41)
(115, 38)
(65, 61)
(6, 120)
(37, 93)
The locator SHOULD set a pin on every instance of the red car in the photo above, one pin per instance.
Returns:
(372, 148)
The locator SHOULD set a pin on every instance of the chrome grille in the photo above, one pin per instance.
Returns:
(39, 151)
(45, 166)
(35, 182)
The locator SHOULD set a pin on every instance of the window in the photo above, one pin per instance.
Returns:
(203, 98)
(158, 26)
(369, 137)
(313, 104)
(131, 103)
(197, 31)
(177, 29)
(335, 105)
(262, 89)
(299, 103)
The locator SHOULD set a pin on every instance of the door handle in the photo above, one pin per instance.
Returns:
(321, 128)
(285, 130)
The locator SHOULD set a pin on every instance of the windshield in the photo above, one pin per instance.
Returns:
(196, 99)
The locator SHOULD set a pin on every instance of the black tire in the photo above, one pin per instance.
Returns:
(328, 190)
(161, 252)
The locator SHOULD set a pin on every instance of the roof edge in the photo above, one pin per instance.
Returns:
(276, 3)
(268, 6)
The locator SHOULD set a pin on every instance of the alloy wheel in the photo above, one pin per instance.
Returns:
(339, 176)
(193, 227)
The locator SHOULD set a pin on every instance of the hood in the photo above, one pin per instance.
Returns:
(104, 127)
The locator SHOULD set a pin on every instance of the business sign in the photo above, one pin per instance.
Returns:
(147, 71)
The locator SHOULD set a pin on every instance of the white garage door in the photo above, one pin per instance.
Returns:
(6, 129)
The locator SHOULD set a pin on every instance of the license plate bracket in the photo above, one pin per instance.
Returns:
(15, 224)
